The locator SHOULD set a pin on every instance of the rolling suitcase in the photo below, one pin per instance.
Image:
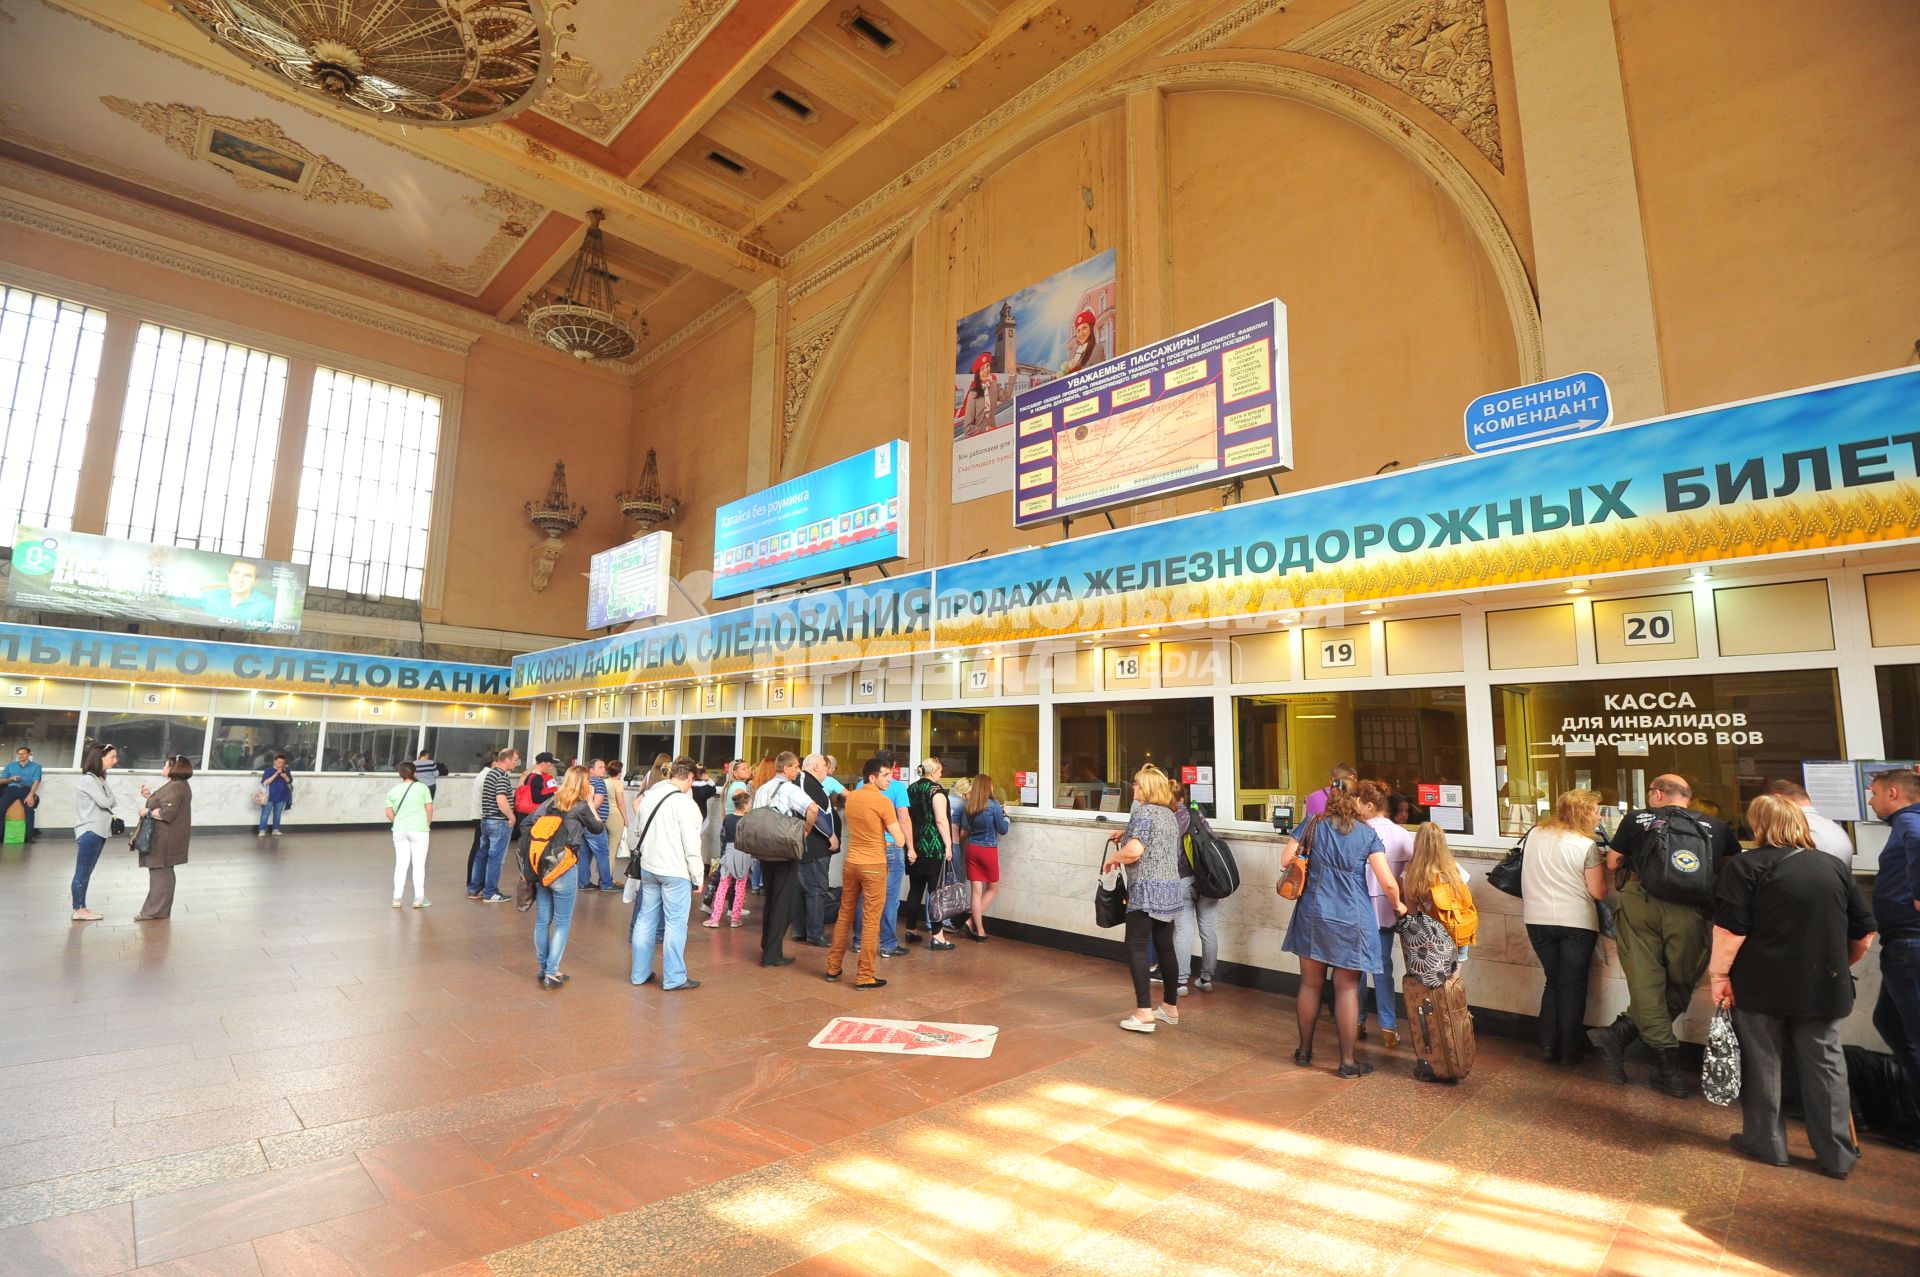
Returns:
(1440, 1029)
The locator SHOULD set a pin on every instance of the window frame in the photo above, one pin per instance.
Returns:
(62, 295)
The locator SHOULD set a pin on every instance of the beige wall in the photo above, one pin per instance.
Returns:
(1778, 153)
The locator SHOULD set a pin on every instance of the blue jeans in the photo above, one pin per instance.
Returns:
(595, 853)
(896, 870)
(273, 809)
(660, 917)
(553, 905)
(754, 881)
(89, 856)
(485, 878)
(1384, 988)
(1897, 1014)
(20, 791)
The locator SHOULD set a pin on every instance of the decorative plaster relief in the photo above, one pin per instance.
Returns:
(1218, 32)
(257, 154)
(1435, 51)
(846, 261)
(806, 344)
(577, 98)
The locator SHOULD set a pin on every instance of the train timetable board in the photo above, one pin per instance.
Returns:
(1208, 406)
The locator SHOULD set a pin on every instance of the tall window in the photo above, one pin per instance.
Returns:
(49, 358)
(366, 485)
(197, 443)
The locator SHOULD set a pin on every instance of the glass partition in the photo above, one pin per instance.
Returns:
(646, 742)
(1002, 740)
(563, 743)
(148, 740)
(1404, 738)
(854, 736)
(52, 734)
(1899, 710)
(368, 747)
(1730, 735)
(249, 744)
(710, 741)
(602, 745)
(772, 735)
(1101, 745)
(463, 751)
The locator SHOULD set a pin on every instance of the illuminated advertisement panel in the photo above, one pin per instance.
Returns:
(846, 515)
(135, 581)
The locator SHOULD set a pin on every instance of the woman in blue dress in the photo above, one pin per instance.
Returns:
(1333, 922)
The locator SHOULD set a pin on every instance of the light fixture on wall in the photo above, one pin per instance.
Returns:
(582, 320)
(1700, 574)
(647, 505)
(556, 515)
(1576, 587)
(422, 62)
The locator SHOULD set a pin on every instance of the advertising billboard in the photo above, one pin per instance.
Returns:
(630, 582)
(135, 581)
(1205, 407)
(846, 515)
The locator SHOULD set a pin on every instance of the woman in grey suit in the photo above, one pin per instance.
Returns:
(171, 807)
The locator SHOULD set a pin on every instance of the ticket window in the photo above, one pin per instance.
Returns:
(1002, 742)
(1411, 740)
(854, 736)
(710, 741)
(1100, 746)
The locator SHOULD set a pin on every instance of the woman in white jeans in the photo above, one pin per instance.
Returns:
(410, 809)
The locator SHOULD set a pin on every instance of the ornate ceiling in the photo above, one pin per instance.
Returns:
(728, 141)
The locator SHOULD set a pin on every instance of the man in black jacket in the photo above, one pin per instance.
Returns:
(823, 839)
(785, 795)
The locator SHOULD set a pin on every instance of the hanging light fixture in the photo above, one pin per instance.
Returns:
(647, 505)
(445, 63)
(581, 321)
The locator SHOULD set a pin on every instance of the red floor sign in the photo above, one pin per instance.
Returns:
(907, 1037)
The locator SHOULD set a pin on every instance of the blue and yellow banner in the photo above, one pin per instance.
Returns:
(44, 652)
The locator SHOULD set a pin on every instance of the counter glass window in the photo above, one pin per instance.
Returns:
(646, 742)
(249, 744)
(1899, 710)
(709, 741)
(563, 743)
(52, 734)
(857, 735)
(1403, 738)
(602, 745)
(1003, 741)
(1730, 735)
(148, 740)
(377, 748)
(768, 737)
(1101, 745)
(462, 751)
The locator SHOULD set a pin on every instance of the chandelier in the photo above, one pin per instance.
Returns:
(582, 322)
(647, 505)
(433, 62)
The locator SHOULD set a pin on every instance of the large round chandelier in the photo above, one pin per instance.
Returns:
(445, 63)
(581, 321)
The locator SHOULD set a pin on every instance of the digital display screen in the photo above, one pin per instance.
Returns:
(630, 582)
(846, 515)
(135, 581)
(1205, 407)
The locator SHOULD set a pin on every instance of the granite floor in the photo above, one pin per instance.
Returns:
(291, 1077)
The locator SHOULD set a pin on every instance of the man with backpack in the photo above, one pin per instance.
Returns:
(1672, 855)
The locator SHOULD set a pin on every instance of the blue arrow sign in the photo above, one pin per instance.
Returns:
(1569, 405)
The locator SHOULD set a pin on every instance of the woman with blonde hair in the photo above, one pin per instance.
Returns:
(1434, 884)
(553, 905)
(1786, 928)
(1150, 847)
(1562, 873)
(1333, 925)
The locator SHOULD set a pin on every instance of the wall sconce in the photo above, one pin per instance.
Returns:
(556, 515)
(646, 505)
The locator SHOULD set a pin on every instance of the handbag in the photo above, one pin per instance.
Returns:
(116, 826)
(1505, 876)
(769, 835)
(1110, 902)
(1720, 1072)
(953, 898)
(1293, 879)
(259, 795)
(142, 840)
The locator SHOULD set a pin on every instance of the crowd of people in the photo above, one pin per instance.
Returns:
(1775, 931)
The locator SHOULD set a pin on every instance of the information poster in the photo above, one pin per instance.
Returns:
(630, 582)
(1054, 328)
(846, 515)
(136, 581)
(1205, 407)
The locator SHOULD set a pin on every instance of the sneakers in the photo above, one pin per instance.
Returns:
(396, 902)
(895, 952)
(495, 899)
(1180, 989)
(259, 833)
(473, 895)
(276, 833)
(86, 915)
(423, 904)
(711, 923)
(733, 922)
(1204, 984)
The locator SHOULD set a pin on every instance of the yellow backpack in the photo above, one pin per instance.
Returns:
(546, 860)
(1454, 909)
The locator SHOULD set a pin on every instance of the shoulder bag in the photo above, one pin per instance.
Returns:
(1505, 876)
(1110, 901)
(1293, 879)
(953, 898)
(142, 840)
(766, 833)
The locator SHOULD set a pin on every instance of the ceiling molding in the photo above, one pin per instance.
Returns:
(694, 329)
(617, 106)
(1228, 25)
(846, 261)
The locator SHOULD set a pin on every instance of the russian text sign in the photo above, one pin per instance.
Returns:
(1205, 407)
(44, 652)
(1570, 405)
(906, 1037)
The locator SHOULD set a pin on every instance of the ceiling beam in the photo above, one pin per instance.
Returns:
(821, 76)
(740, 128)
(953, 26)
(493, 154)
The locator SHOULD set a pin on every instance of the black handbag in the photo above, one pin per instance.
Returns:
(1505, 876)
(1110, 902)
(142, 840)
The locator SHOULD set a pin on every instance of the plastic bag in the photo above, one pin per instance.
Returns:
(1720, 1074)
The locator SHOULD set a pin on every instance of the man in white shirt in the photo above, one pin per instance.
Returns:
(669, 868)
(1827, 834)
(781, 877)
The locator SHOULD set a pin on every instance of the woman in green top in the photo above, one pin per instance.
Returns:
(410, 808)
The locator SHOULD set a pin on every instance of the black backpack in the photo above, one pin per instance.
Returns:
(1677, 860)
(1215, 875)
